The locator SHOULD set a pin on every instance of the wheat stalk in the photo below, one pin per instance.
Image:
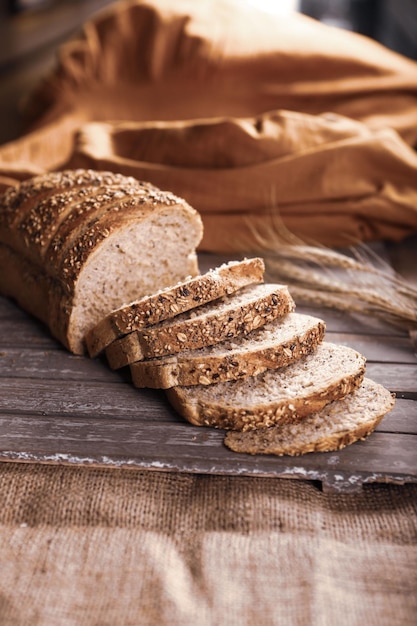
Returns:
(357, 281)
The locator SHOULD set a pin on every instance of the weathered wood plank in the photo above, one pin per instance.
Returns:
(74, 399)
(55, 427)
(380, 348)
(398, 378)
(77, 398)
(23, 332)
(93, 387)
(56, 364)
(402, 418)
(382, 457)
(67, 396)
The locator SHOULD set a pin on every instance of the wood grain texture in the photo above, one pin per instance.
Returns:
(60, 408)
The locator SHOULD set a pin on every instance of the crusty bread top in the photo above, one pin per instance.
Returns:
(172, 301)
(276, 344)
(277, 395)
(57, 226)
(337, 425)
(64, 212)
(16, 201)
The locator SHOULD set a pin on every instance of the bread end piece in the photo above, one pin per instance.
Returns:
(338, 425)
(126, 251)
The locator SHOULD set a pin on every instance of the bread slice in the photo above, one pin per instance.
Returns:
(339, 424)
(168, 303)
(106, 264)
(276, 396)
(238, 314)
(276, 344)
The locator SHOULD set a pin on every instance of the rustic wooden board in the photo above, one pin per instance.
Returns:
(60, 408)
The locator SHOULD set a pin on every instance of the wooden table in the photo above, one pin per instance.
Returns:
(65, 409)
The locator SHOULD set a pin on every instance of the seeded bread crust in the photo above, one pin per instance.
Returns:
(63, 241)
(338, 425)
(64, 264)
(62, 216)
(238, 314)
(277, 396)
(19, 200)
(40, 222)
(172, 301)
(277, 344)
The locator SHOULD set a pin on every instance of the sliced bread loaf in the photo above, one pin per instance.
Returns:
(276, 344)
(276, 396)
(44, 192)
(168, 303)
(339, 424)
(238, 314)
(131, 251)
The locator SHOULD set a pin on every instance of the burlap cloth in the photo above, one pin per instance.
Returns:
(108, 547)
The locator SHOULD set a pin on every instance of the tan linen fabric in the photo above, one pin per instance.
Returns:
(329, 179)
(163, 60)
(246, 115)
(96, 547)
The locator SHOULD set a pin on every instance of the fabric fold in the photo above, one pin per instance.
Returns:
(251, 117)
(329, 179)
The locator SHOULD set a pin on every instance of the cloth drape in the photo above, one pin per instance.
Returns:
(96, 546)
(258, 120)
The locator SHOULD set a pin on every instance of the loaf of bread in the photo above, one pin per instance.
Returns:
(76, 245)
(276, 344)
(276, 396)
(339, 424)
(234, 315)
(170, 302)
(109, 263)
